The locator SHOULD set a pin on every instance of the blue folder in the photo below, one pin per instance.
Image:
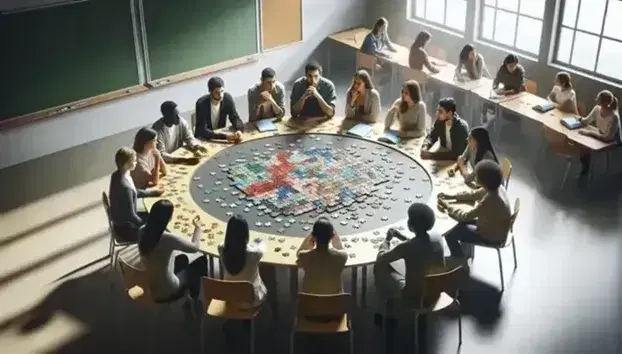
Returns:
(361, 130)
(265, 125)
(390, 137)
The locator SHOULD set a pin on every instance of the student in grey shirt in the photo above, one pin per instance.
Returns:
(313, 95)
(123, 197)
(377, 41)
(150, 166)
(266, 99)
(473, 62)
(363, 101)
(511, 74)
(409, 110)
(173, 133)
(478, 148)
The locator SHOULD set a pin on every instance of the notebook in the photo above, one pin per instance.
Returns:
(571, 123)
(265, 125)
(545, 107)
(361, 130)
(390, 137)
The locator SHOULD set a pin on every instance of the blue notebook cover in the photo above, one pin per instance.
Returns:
(362, 130)
(545, 107)
(265, 125)
(390, 137)
(571, 123)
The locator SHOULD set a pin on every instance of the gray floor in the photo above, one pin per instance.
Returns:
(563, 298)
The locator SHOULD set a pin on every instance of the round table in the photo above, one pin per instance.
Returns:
(281, 182)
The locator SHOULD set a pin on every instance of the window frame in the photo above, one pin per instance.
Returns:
(493, 43)
(411, 11)
(558, 30)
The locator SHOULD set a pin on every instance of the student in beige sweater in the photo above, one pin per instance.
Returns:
(488, 221)
(410, 112)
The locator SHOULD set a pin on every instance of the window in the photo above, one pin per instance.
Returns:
(514, 24)
(589, 37)
(450, 14)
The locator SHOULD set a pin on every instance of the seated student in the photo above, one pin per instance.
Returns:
(489, 220)
(478, 148)
(410, 112)
(170, 276)
(363, 101)
(150, 165)
(563, 94)
(321, 263)
(606, 118)
(123, 195)
(241, 258)
(450, 129)
(421, 254)
(511, 74)
(418, 57)
(313, 95)
(473, 62)
(377, 41)
(173, 133)
(266, 99)
(213, 110)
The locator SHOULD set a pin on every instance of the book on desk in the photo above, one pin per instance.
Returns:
(390, 137)
(361, 130)
(571, 123)
(544, 107)
(266, 125)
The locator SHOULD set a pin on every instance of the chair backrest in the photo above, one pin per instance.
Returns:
(418, 75)
(226, 290)
(323, 305)
(365, 61)
(106, 203)
(506, 170)
(514, 213)
(447, 281)
(531, 87)
(134, 278)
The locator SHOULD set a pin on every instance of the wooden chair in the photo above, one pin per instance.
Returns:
(115, 244)
(367, 62)
(531, 87)
(230, 300)
(509, 241)
(136, 283)
(334, 307)
(506, 170)
(558, 144)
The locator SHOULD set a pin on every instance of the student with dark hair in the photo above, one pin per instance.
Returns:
(606, 118)
(377, 41)
(478, 148)
(472, 62)
(563, 93)
(173, 133)
(212, 112)
(511, 75)
(266, 99)
(488, 221)
(150, 165)
(410, 111)
(418, 56)
(170, 276)
(123, 196)
(422, 254)
(241, 258)
(313, 95)
(363, 101)
(451, 130)
(322, 264)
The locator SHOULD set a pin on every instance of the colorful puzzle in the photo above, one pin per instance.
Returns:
(298, 181)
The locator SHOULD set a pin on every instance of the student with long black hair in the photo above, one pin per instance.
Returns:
(511, 75)
(241, 258)
(478, 148)
(170, 276)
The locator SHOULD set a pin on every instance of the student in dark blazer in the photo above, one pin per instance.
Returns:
(450, 129)
(212, 112)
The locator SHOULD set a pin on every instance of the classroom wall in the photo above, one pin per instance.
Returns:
(404, 31)
(320, 19)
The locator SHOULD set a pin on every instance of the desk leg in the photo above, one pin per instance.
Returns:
(221, 269)
(293, 282)
(364, 286)
(210, 260)
(355, 278)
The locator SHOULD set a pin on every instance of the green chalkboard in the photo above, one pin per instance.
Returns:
(54, 56)
(184, 35)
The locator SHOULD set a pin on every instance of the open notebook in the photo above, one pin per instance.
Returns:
(265, 125)
(361, 130)
(390, 137)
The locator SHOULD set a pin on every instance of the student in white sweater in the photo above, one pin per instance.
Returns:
(606, 118)
(363, 101)
(241, 258)
(409, 111)
(563, 94)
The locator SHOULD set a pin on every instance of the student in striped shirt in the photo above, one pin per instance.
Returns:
(606, 118)
(563, 94)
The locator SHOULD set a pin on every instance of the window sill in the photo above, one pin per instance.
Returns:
(574, 71)
(508, 50)
(436, 27)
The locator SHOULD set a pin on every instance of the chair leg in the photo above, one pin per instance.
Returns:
(111, 251)
(201, 335)
(459, 324)
(568, 164)
(501, 269)
(514, 252)
(252, 337)
(292, 341)
(416, 346)
(351, 337)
